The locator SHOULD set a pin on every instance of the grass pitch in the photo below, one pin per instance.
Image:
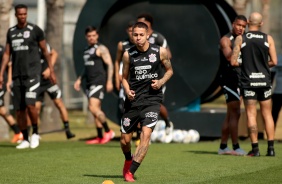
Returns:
(75, 162)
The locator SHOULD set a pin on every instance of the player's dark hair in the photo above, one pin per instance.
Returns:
(19, 6)
(90, 29)
(148, 17)
(131, 23)
(241, 17)
(140, 25)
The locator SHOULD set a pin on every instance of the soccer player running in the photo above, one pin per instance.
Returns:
(230, 85)
(258, 55)
(96, 58)
(122, 46)
(53, 90)
(142, 83)
(23, 43)
(158, 39)
(4, 113)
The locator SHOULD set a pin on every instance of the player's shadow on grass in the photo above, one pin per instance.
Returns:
(103, 176)
(7, 146)
(203, 152)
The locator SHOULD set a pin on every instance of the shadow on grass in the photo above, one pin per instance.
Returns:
(204, 152)
(7, 146)
(103, 176)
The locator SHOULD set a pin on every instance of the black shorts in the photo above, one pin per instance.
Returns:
(53, 90)
(231, 93)
(95, 91)
(259, 94)
(25, 91)
(2, 94)
(145, 115)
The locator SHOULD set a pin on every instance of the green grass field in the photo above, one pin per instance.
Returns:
(60, 161)
(75, 162)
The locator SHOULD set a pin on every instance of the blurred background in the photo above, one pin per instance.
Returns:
(192, 27)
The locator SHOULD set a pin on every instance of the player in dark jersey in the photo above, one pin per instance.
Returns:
(4, 113)
(23, 43)
(258, 55)
(142, 82)
(121, 48)
(231, 91)
(158, 39)
(96, 59)
(53, 91)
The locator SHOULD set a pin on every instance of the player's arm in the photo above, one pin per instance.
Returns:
(78, 80)
(118, 77)
(9, 76)
(5, 61)
(226, 48)
(125, 73)
(44, 50)
(105, 54)
(236, 51)
(272, 52)
(54, 55)
(157, 84)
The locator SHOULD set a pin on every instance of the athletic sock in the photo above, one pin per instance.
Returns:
(34, 129)
(223, 146)
(167, 124)
(134, 166)
(15, 128)
(236, 146)
(66, 125)
(100, 132)
(255, 147)
(105, 125)
(270, 144)
(25, 134)
(128, 155)
(138, 133)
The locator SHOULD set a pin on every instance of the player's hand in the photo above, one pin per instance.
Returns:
(53, 77)
(130, 95)
(156, 84)
(109, 86)
(77, 85)
(1, 82)
(46, 73)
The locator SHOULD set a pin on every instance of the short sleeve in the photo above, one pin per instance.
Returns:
(39, 33)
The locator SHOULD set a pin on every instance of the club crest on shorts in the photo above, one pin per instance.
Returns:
(126, 122)
(152, 58)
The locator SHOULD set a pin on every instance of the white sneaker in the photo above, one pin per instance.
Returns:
(23, 145)
(34, 141)
(239, 152)
(225, 151)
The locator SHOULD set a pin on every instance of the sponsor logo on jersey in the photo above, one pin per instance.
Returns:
(134, 60)
(251, 35)
(145, 67)
(14, 35)
(126, 122)
(89, 63)
(249, 93)
(258, 84)
(133, 52)
(257, 75)
(26, 34)
(144, 59)
(267, 93)
(152, 115)
(20, 35)
(152, 58)
(141, 72)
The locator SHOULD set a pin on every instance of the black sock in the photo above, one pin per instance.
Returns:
(236, 146)
(270, 144)
(134, 166)
(128, 155)
(167, 122)
(15, 128)
(223, 146)
(25, 134)
(255, 147)
(100, 132)
(66, 125)
(138, 133)
(34, 129)
(105, 125)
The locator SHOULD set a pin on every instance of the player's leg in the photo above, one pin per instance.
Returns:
(265, 107)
